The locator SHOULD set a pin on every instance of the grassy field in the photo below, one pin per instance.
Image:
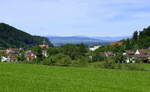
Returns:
(38, 78)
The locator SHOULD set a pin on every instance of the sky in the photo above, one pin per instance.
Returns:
(76, 17)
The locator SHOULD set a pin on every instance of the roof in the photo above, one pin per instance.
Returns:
(142, 53)
(129, 52)
(117, 43)
(44, 46)
(109, 54)
(3, 51)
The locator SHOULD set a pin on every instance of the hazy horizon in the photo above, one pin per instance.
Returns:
(90, 18)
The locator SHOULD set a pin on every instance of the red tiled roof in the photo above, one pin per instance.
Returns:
(117, 43)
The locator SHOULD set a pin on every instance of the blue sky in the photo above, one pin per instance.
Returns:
(76, 17)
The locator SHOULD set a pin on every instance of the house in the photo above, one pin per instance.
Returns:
(30, 55)
(147, 60)
(11, 55)
(11, 50)
(129, 53)
(10, 58)
(4, 59)
(130, 60)
(142, 54)
(116, 43)
(44, 46)
(44, 53)
(94, 48)
(109, 54)
(3, 51)
(130, 56)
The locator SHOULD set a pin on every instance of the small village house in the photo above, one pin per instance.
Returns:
(138, 55)
(10, 55)
(93, 48)
(109, 54)
(30, 55)
(116, 43)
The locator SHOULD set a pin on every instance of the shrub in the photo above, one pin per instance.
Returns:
(58, 59)
(109, 64)
(134, 67)
(47, 61)
(82, 61)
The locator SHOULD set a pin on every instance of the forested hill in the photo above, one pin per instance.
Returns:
(11, 37)
(140, 39)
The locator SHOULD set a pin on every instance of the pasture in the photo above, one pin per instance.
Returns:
(39, 78)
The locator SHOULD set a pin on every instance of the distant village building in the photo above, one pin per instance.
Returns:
(140, 54)
(109, 54)
(4, 59)
(44, 53)
(11, 50)
(30, 55)
(44, 45)
(94, 48)
(116, 43)
(10, 55)
(2, 51)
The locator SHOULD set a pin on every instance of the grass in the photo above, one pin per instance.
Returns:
(39, 78)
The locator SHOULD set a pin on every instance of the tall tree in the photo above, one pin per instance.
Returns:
(135, 35)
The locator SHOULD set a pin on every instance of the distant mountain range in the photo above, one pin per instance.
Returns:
(11, 37)
(61, 40)
(117, 38)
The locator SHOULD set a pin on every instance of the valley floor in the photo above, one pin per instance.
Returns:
(39, 78)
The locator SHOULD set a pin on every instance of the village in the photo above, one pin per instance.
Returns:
(12, 54)
(132, 56)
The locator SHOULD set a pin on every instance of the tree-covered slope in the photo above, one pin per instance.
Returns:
(12, 37)
(140, 40)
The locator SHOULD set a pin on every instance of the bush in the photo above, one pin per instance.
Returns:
(97, 64)
(109, 64)
(97, 57)
(47, 61)
(82, 61)
(134, 67)
(58, 59)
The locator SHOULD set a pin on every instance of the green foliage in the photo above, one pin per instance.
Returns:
(108, 48)
(82, 48)
(82, 61)
(11, 37)
(97, 57)
(109, 64)
(119, 58)
(58, 59)
(134, 67)
(74, 51)
(38, 51)
(135, 35)
(53, 51)
(139, 41)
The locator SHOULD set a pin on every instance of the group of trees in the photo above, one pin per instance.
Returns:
(65, 55)
(140, 39)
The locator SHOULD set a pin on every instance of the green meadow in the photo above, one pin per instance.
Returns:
(39, 78)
